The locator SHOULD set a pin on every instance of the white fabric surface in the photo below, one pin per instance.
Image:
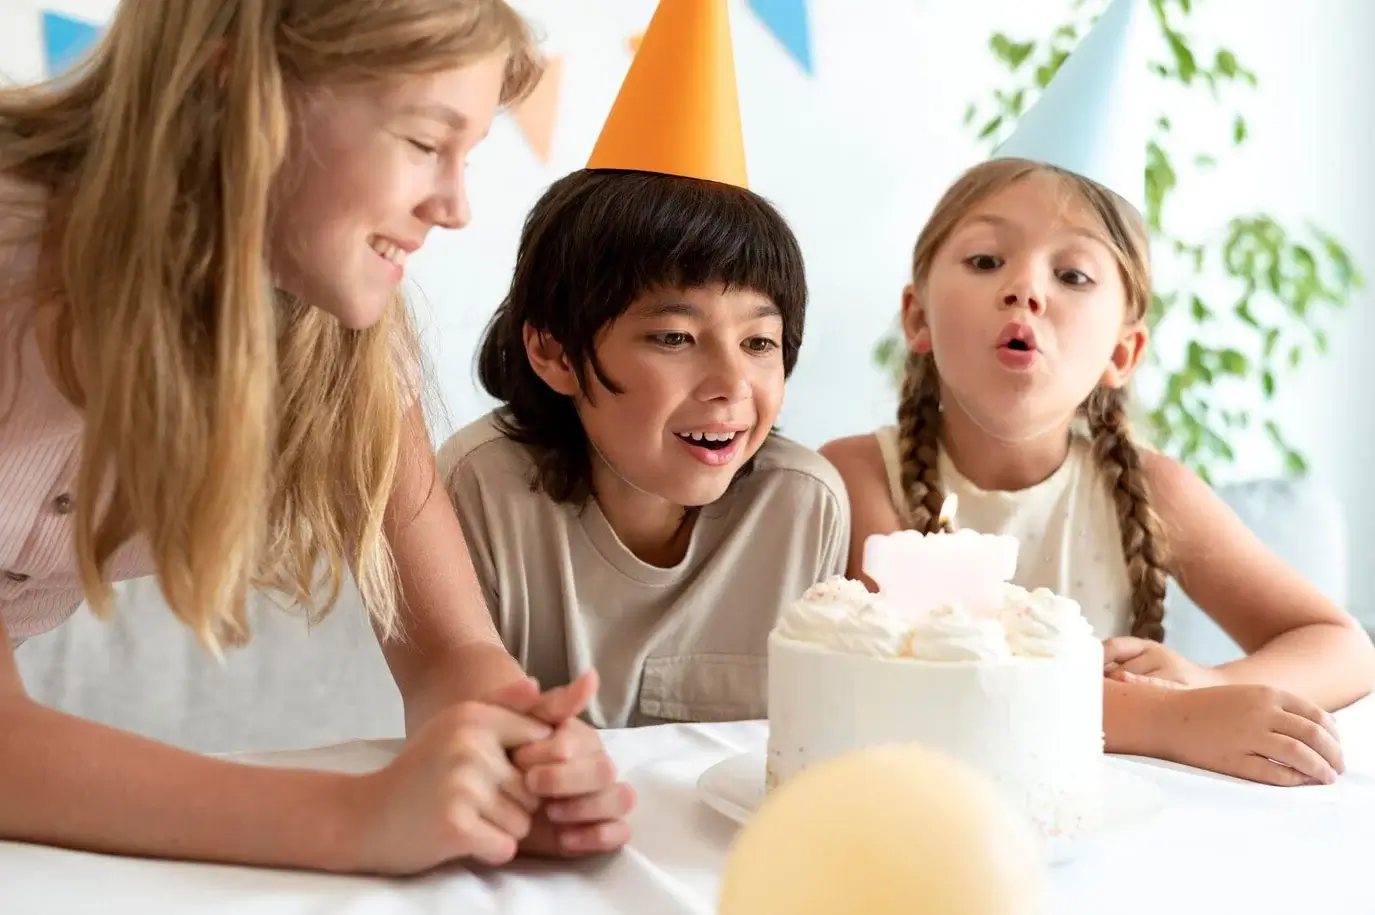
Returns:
(1219, 845)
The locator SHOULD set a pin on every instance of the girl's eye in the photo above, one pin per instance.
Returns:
(761, 345)
(1074, 277)
(673, 339)
(984, 262)
(423, 147)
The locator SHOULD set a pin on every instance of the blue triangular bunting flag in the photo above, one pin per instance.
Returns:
(65, 40)
(787, 20)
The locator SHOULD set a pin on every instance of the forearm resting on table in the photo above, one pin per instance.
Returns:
(76, 784)
(1131, 718)
(1328, 664)
(470, 672)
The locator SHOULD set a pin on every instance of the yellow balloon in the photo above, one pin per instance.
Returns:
(898, 829)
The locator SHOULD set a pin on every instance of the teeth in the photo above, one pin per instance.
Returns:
(708, 436)
(389, 251)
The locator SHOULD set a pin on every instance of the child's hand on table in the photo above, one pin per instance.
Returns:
(583, 808)
(452, 793)
(1133, 660)
(1253, 732)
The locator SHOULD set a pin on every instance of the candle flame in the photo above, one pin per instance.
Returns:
(948, 507)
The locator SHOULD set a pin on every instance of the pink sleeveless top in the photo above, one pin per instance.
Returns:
(40, 453)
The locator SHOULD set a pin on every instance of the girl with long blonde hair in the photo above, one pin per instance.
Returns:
(208, 375)
(1025, 320)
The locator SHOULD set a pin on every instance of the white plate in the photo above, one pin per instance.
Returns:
(735, 788)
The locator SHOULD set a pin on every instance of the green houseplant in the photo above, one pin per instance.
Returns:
(1284, 283)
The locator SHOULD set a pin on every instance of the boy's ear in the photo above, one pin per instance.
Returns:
(550, 362)
(914, 327)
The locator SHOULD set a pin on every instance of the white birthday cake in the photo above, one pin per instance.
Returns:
(950, 655)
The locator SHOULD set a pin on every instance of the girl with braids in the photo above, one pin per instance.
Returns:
(208, 375)
(1024, 320)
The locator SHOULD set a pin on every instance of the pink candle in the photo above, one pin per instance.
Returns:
(918, 572)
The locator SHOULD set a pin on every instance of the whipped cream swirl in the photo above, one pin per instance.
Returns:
(843, 615)
(952, 633)
(1043, 624)
(873, 631)
(818, 615)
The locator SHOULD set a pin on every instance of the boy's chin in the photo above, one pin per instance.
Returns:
(709, 487)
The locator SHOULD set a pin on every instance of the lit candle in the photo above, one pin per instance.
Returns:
(918, 572)
(946, 521)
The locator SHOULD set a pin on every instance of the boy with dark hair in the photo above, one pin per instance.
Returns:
(629, 507)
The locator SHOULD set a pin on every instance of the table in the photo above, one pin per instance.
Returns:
(1219, 845)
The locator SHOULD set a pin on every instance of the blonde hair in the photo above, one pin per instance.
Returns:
(245, 434)
(919, 416)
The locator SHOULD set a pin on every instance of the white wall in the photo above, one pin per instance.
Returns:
(856, 155)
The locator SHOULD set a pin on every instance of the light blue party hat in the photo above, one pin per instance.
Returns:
(1094, 118)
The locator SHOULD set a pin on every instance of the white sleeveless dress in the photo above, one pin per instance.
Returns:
(1066, 524)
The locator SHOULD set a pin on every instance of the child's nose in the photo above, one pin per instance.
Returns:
(1031, 301)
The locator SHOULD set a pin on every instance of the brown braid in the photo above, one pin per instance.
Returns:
(1143, 543)
(919, 426)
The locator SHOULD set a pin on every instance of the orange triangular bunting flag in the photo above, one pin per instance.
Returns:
(677, 112)
(536, 114)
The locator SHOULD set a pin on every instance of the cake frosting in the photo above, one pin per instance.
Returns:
(1013, 690)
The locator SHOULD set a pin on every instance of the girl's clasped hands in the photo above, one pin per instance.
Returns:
(520, 773)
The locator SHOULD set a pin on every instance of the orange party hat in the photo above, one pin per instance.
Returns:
(677, 112)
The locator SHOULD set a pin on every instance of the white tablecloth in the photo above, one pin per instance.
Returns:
(1218, 845)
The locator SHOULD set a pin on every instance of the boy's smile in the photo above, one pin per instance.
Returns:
(715, 444)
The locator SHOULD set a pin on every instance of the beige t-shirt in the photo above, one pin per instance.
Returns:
(687, 643)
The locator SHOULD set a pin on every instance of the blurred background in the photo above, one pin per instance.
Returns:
(857, 114)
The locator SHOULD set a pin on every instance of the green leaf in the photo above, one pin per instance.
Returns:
(1226, 63)
(1295, 356)
(1305, 261)
(1320, 342)
(1239, 130)
(1274, 280)
(970, 113)
(1197, 362)
(1272, 339)
(1184, 58)
(1341, 260)
(886, 351)
(1294, 463)
(1275, 435)
(1211, 79)
(1012, 53)
(1234, 362)
(1163, 123)
(1046, 72)
(1243, 313)
(1267, 384)
(991, 127)
(1200, 311)
(1160, 181)
(1205, 161)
